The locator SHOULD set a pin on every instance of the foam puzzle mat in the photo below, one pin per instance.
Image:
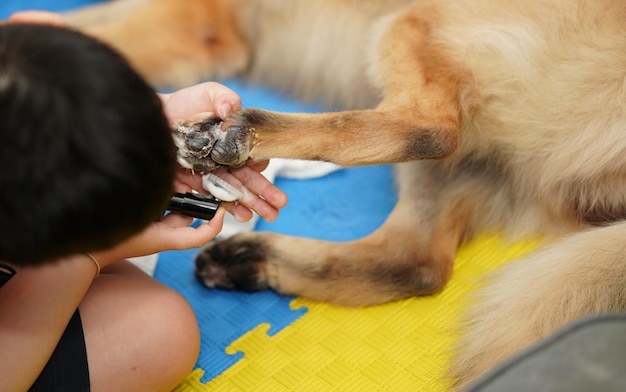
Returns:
(268, 342)
(301, 345)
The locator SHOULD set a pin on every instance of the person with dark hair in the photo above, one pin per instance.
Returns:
(87, 167)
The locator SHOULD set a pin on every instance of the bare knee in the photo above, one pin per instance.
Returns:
(175, 329)
(140, 334)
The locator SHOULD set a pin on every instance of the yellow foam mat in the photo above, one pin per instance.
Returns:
(401, 346)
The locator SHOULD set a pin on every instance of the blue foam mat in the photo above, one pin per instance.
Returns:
(7, 7)
(223, 316)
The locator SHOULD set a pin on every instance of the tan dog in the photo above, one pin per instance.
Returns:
(501, 115)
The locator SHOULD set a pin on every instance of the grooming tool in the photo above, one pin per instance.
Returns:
(194, 205)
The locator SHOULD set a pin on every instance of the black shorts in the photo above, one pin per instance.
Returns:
(67, 369)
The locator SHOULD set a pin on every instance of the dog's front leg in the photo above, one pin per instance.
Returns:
(418, 118)
(350, 138)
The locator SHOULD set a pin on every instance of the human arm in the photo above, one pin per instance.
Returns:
(35, 307)
(37, 16)
(170, 233)
(37, 303)
(203, 97)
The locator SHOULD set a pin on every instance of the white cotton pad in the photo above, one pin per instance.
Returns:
(220, 188)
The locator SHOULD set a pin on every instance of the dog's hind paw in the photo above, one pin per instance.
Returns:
(234, 263)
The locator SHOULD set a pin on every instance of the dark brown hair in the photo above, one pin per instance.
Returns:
(86, 154)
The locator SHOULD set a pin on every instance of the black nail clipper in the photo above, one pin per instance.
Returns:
(194, 205)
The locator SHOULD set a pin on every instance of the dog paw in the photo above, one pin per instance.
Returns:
(235, 263)
(195, 139)
(203, 145)
(233, 147)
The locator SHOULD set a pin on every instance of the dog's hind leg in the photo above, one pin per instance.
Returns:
(529, 299)
(410, 254)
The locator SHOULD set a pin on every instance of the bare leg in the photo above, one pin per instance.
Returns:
(140, 335)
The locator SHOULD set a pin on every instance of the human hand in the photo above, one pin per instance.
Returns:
(203, 97)
(171, 233)
(259, 195)
(38, 17)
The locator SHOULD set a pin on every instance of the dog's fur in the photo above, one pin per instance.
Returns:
(501, 115)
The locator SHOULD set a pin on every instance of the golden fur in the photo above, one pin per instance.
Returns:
(501, 115)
